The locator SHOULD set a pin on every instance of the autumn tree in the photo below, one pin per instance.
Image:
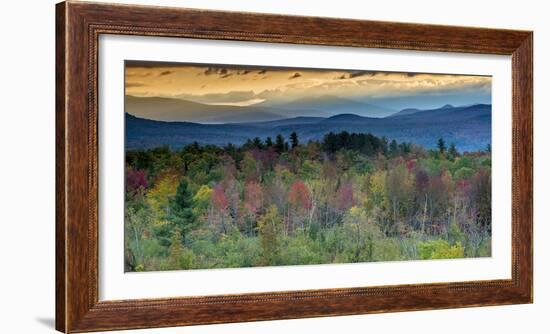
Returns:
(299, 195)
(481, 184)
(202, 200)
(360, 234)
(344, 196)
(253, 205)
(250, 169)
(399, 188)
(299, 198)
(137, 219)
(253, 197)
(270, 229)
(421, 183)
(179, 256)
(220, 204)
(439, 196)
(159, 196)
(136, 180)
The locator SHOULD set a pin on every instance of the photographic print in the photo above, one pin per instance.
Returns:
(231, 166)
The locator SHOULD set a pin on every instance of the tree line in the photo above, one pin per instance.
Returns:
(350, 197)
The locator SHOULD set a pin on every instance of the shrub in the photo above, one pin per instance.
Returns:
(440, 249)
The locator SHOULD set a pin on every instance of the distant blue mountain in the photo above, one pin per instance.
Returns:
(346, 118)
(409, 111)
(287, 121)
(469, 127)
(328, 105)
(406, 111)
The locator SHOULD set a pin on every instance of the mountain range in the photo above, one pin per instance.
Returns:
(469, 127)
(175, 109)
(328, 105)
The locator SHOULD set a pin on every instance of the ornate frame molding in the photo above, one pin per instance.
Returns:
(78, 27)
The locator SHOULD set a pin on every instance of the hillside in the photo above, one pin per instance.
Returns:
(468, 127)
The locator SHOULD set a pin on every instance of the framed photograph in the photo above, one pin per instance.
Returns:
(223, 167)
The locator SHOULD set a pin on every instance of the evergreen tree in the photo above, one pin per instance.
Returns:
(330, 142)
(280, 143)
(257, 142)
(393, 148)
(181, 209)
(453, 153)
(405, 148)
(268, 142)
(294, 139)
(248, 144)
(384, 144)
(441, 146)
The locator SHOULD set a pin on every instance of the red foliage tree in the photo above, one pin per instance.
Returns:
(463, 187)
(219, 200)
(344, 196)
(421, 181)
(253, 197)
(135, 179)
(411, 164)
(299, 195)
(266, 157)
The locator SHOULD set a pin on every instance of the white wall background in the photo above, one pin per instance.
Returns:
(27, 70)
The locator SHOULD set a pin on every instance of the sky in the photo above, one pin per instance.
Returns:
(243, 86)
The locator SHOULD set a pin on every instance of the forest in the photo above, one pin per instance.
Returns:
(348, 198)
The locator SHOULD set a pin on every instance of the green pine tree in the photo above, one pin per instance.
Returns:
(280, 143)
(294, 139)
(453, 153)
(181, 213)
(441, 146)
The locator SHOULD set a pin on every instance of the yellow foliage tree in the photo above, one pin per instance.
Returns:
(159, 196)
(202, 200)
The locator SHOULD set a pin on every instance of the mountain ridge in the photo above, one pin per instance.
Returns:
(468, 127)
(176, 109)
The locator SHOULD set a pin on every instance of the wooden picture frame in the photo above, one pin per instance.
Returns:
(78, 27)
